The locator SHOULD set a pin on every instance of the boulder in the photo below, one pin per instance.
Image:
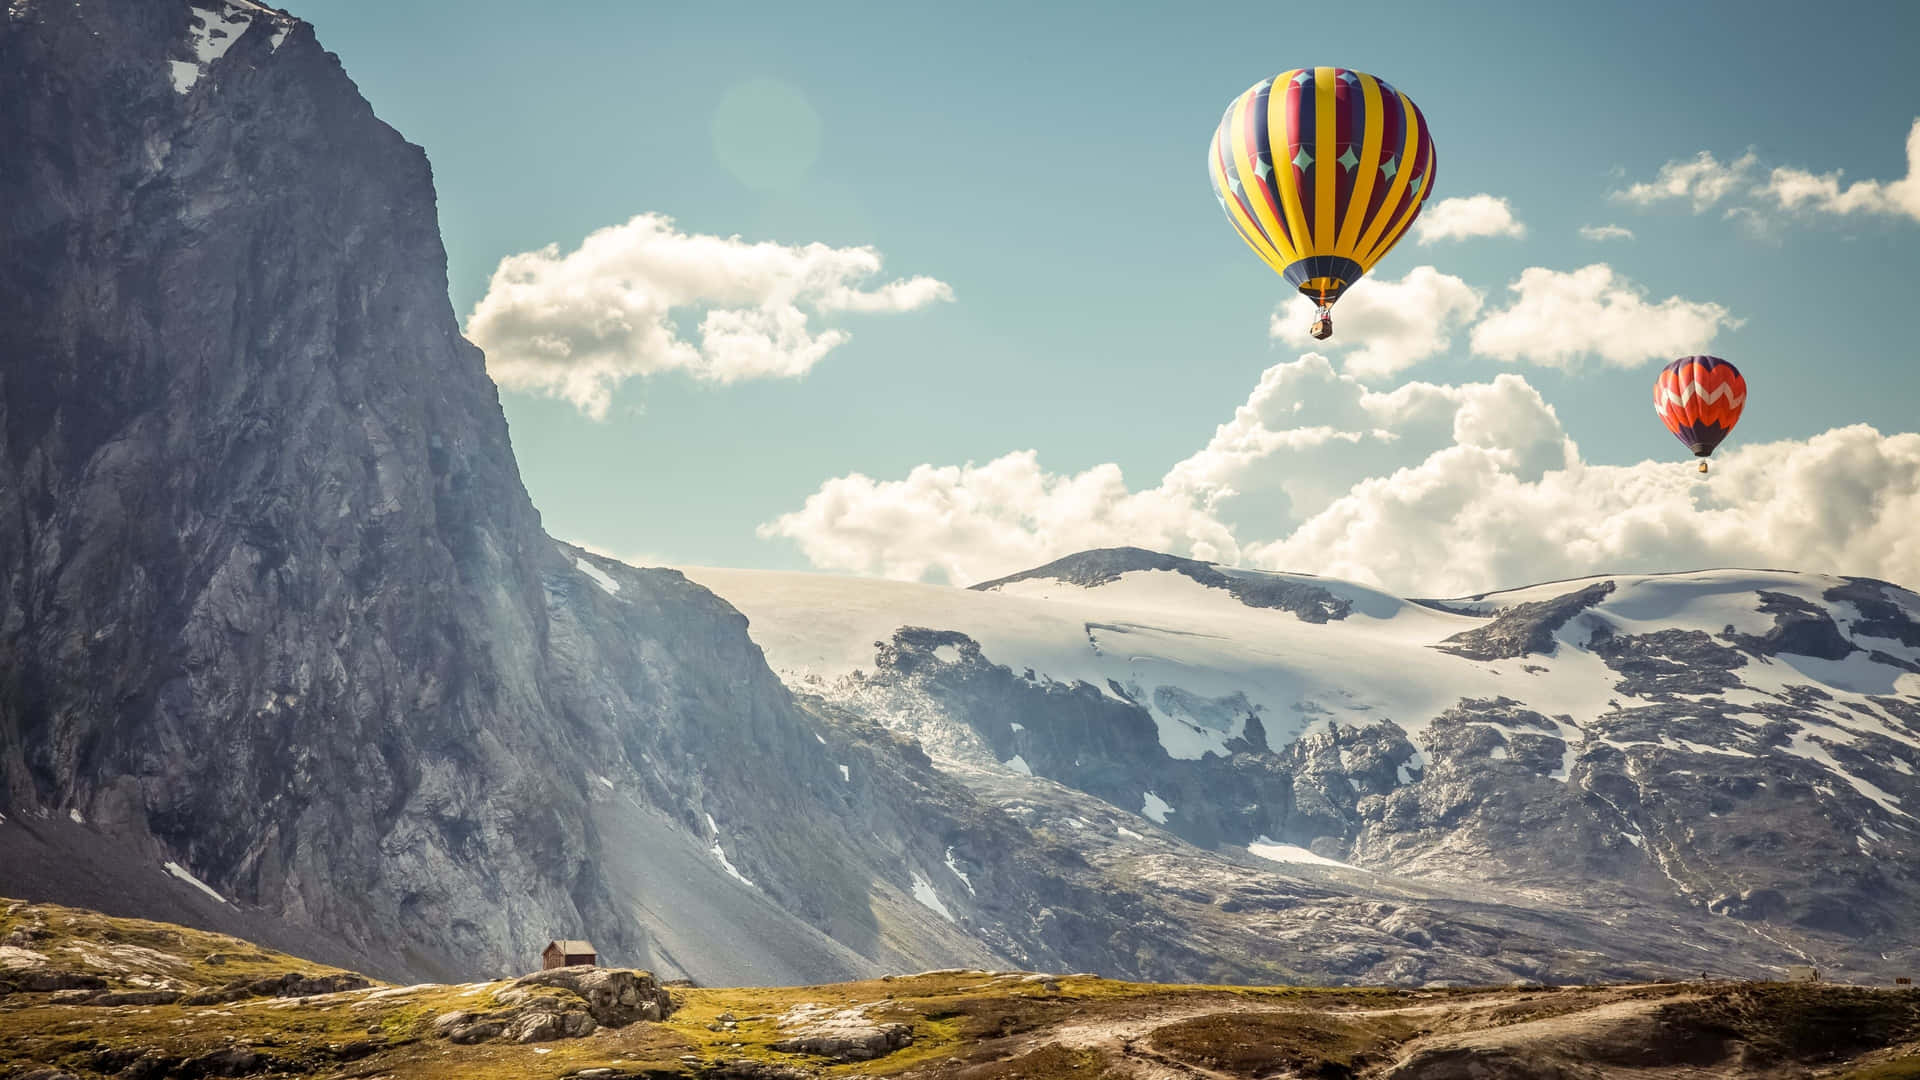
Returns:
(615, 997)
(534, 1027)
(473, 1033)
(139, 997)
(41, 982)
(846, 1035)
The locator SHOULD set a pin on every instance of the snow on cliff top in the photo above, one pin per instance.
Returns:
(1198, 659)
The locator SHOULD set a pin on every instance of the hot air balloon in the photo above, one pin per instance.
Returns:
(1700, 398)
(1321, 170)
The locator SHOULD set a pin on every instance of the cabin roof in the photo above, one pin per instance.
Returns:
(568, 947)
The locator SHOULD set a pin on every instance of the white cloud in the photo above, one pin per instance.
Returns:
(1557, 319)
(1606, 232)
(1433, 491)
(1462, 219)
(1706, 182)
(1306, 435)
(1461, 521)
(1702, 179)
(1388, 325)
(1793, 189)
(576, 326)
(971, 522)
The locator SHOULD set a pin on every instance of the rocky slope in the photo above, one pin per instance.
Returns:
(161, 1000)
(1723, 761)
(283, 647)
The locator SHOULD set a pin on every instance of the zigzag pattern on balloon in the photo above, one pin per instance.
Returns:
(1689, 391)
(1699, 398)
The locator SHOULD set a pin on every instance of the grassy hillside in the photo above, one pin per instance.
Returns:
(84, 995)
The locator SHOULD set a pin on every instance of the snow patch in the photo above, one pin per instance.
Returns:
(1156, 808)
(923, 892)
(1195, 659)
(185, 875)
(1801, 745)
(1017, 727)
(1291, 853)
(211, 32)
(599, 576)
(1498, 753)
(720, 855)
(1017, 764)
(846, 777)
(217, 32)
(184, 75)
(76, 818)
(1128, 833)
(1702, 748)
(959, 873)
(947, 654)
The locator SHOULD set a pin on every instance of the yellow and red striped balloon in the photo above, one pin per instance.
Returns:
(1321, 171)
(1700, 398)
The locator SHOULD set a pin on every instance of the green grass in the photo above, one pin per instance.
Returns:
(966, 1025)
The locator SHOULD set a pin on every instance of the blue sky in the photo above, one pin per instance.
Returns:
(1047, 166)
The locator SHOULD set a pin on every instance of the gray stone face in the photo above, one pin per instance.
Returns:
(1526, 629)
(275, 607)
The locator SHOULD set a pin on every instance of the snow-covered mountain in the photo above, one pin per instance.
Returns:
(1729, 751)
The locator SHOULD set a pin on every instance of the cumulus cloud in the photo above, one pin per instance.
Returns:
(1306, 435)
(1705, 182)
(1605, 232)
(971, 522)
(1558, 319)
(577, 325)
(1793, 189)
(1303, 439)
(1489, 493)
(1463, 219)
(1461, 522)
(1385, 327)
(1701, 179)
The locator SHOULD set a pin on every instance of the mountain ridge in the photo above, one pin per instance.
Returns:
(1619, 719)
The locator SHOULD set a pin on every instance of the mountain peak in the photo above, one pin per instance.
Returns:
(1299, 593)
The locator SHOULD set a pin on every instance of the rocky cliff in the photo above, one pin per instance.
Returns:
(283, 646)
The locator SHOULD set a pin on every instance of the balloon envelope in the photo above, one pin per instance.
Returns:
(1321, 171)
(1699, 398)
